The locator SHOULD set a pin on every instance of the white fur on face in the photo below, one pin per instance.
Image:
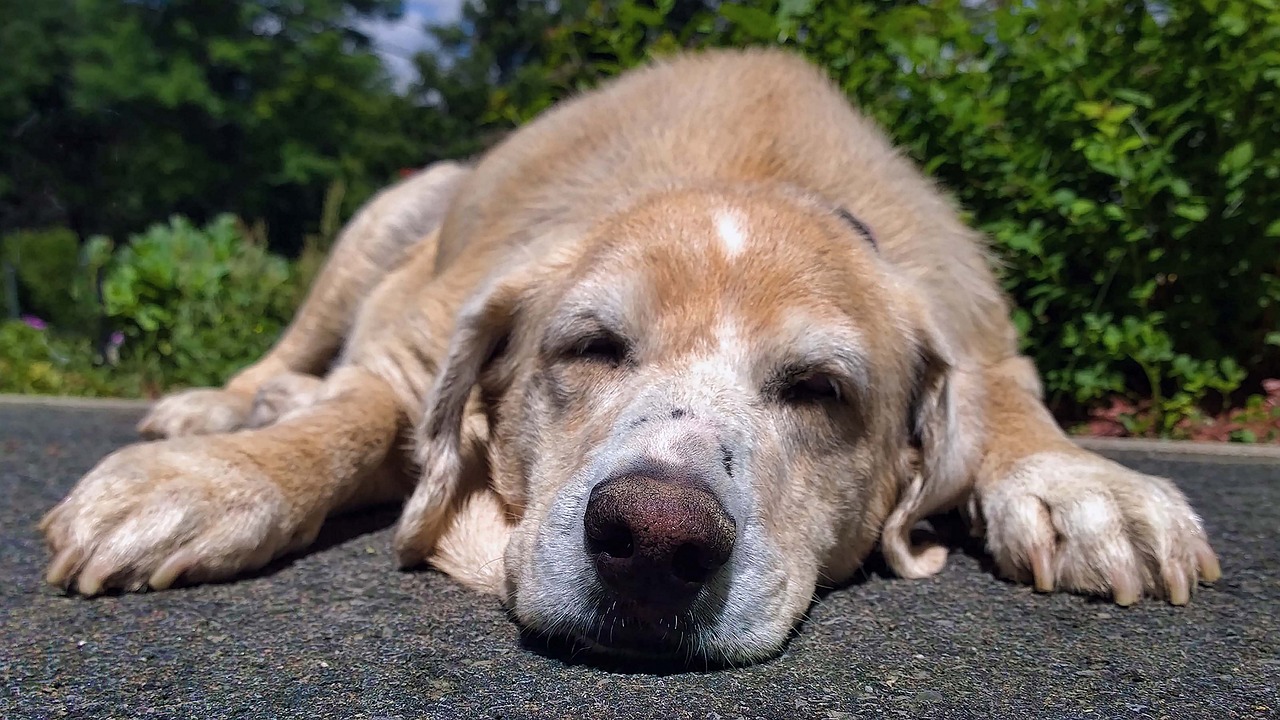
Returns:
(729, 228)
(747, 610)
(728, 365)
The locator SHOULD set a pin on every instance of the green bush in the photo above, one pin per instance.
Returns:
(1123, 157)
(196, 304)
(55, 279)
(36, 362)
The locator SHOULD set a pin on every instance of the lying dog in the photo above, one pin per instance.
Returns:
(666, 359)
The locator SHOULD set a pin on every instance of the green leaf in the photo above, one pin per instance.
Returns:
(925, 46)
(1118, 114)
(1091, 109)
(1232, 22)
(1136, 97)
(1244, 436)
(1194, 213)
(754, 21)
(795, 8)
(1237, 158)
(1081, 207)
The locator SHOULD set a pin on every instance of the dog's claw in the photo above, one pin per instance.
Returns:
(1042, 569)
(91, 581)
(60, 570)
(171, 569)
(1210, 570)
(1179, 590)
(1125, 588)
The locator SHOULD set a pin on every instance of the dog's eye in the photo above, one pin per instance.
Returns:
(605, 348)
(811, 388)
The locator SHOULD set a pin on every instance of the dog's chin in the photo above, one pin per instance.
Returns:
(624, 631)
(628, 639)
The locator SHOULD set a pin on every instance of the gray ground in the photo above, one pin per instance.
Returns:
(339, 632)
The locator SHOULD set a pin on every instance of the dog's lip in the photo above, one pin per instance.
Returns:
(618, 630)
(643, 652)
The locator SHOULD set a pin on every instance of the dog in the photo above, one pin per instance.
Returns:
(661, 363)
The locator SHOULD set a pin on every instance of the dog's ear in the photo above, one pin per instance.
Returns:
(937, 461)
(481, 328)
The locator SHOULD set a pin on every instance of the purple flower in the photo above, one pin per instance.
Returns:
(117, 339)
(34, 322)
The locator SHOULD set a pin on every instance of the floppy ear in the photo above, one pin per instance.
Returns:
(481, 327)
(938, 462)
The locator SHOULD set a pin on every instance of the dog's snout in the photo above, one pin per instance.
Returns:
(656, 543)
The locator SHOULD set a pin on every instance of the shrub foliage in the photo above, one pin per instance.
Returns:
(196, 304)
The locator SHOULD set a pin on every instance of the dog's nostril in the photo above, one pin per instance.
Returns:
(689, 563)
(612, 539)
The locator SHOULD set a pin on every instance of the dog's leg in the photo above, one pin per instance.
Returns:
(210, 507)
(1063, 518)
(396, 224)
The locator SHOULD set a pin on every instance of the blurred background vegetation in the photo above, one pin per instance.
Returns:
(170, 168)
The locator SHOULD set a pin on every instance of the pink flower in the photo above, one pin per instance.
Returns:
(34, 322)
(1272, 387)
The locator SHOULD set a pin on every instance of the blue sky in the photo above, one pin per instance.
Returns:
(398, 41)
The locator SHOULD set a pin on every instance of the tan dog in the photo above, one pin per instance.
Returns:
(667, 358)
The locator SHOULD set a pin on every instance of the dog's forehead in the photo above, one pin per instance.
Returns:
(694, 260)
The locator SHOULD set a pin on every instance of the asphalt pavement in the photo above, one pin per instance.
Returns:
(338, 632)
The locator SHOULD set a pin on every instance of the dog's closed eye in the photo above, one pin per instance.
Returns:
(601, 347)
(804, 386)
(586, 337)
(814, 387)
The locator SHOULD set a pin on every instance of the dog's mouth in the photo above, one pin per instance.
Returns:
(628, 630)
(617, 631)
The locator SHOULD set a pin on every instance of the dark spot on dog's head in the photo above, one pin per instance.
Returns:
(858, 225)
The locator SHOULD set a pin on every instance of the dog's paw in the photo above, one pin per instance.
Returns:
(282, 395)
(1079, 522)
(152, 513)
(202, 411)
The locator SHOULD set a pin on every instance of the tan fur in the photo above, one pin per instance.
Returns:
(696, 200)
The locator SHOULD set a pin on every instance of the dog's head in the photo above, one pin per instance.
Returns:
(706, 406)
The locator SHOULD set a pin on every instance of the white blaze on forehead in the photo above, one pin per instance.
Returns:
(730, 228)
(727, 363)
(732, 346)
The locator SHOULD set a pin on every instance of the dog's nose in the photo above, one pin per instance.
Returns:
(656, 543)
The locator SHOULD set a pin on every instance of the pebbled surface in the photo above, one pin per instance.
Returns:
(339, 632)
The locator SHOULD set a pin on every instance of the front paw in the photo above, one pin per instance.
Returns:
(152, 513)
(201, 411)
(1079, 522)
(281, 396)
